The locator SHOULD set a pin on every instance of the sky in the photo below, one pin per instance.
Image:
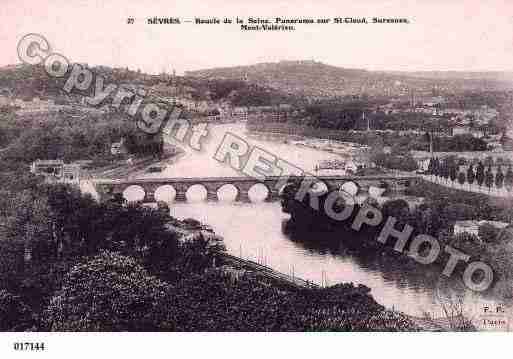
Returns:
(463, 35)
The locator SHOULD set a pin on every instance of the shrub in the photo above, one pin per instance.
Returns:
(14, 314)
(109, 293)
(461, 178)
(397, 208)
(488, 233)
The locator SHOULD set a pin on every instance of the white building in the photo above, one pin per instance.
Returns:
(56, 171)
(472, 226)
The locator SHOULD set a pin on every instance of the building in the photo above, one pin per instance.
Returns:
(56, 171)
(118, 148)
(214, 115)
(47, 167)
(240, 113)
(472, 226)
(36, 105)
(70, 173)
(461, 129)
(423, 162)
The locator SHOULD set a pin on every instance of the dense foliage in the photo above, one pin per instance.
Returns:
(112, 266)
(113, 292)
(107, 293)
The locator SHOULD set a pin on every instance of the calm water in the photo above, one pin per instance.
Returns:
(259, 231)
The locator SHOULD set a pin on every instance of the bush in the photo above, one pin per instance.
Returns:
(468, 243)
(14, 314)
(459, 212)
(403, 163)
(109, 293)
(397, 208)
(488, 233)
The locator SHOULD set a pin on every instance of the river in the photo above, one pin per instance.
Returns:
(259, 231)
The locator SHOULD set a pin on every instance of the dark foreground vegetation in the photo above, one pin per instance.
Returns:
(71, 264)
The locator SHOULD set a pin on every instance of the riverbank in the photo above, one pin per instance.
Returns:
(281, 280)
(124, 168)
(240, 269)
(345, 151)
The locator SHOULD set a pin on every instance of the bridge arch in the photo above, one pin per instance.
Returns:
(166, 193)
(196, 193)
(134, 193)
(259, 192)
(227, 192)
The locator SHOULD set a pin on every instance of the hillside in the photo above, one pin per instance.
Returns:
(314, 78)
(27, 82)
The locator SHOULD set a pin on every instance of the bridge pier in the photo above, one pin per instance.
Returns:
(180, 196)
(212, 195)
(272, 196)
(243, 196)
(149, 196)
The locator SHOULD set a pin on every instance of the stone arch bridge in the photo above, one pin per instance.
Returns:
(108, 189)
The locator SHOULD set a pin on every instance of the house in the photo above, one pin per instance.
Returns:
(472, 226)
(118, 148)
(239, 113)
(423, 163)
(36, 105)
(214, 115)
(47, 167)
(461, 129)
(56, 170)
(70, 173)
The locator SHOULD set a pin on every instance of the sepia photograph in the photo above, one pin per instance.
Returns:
(236, 167)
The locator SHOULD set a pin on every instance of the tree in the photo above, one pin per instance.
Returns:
(480, 175)
(444, 172)
(499, 177)
(435, 167)
(453, 171)
(508, 180)
(470, 174)
(488, 233)
(77, 220)
(30, 222)
(111, 292)
(438, 166)
(14, 314)
(397, 208)
(431, 166)
(489, 177)
(458, 212)
(461, 178)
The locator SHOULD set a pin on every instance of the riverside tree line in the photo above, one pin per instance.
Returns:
(449, 168)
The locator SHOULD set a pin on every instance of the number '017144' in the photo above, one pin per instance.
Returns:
(27, 346)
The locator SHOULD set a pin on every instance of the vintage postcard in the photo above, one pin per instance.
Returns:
(255, 166)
